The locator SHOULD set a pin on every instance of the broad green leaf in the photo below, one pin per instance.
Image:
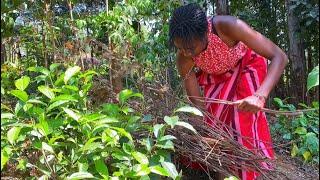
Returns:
(53, 139)
(83, 166)
(167, 137)
(127, 110)
(70, 72)
(72, 114)
(40, 78)
(156, 129)
(301, 130)
(13, 134)
(141, 169)
(120, 155)
(294, 150)
(101, 168)
(65, 97)
(18, 108)
(7, 115)
(110, 135)
(56, 104)
(146, 177)
(172, 121)
(111, 109)
(312, 142)
(278, 102)
(99, 128)
(307, 155)
(165, 145)
(27, 107)
(88, 73)
(190, 109)
(73, 88)
(124, 133)
(315, 104)
(92, 117)
(22, 83)
(127, 148)
(124, 95)
(149, 144)
(46, 91)
(36, 101)
(170, 168)
(147, 118)
(44, 124)
(2, 90)
(106, 120)
(287, 136)
(54, 66)
(39, 69)
(91, 145)
(186, 125)
(80, 175)
(231, 178)
(159, 170)
(4, 158)
(313, 78)
(47, 147)
(303, 121)
(141, 158)
(22, 95)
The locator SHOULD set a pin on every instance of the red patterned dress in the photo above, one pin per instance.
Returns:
(233, 74)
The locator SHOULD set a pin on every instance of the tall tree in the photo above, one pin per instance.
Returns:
(296, 55)
(222, 7)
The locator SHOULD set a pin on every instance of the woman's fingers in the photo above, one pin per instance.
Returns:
(249, 104)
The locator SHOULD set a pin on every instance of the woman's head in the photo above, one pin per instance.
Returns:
(188, 29)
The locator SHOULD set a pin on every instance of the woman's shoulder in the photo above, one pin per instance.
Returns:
(224, 20)
(228, 25)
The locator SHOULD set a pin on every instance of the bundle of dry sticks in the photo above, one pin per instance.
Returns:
(216, 150)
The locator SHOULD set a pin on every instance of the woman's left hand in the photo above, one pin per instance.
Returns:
(251, 104)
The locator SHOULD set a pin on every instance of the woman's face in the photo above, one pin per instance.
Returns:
(195, 47)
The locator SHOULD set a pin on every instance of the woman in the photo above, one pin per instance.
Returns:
(231, 59)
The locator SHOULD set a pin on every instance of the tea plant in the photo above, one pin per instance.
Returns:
(51, 129)
(303, 130)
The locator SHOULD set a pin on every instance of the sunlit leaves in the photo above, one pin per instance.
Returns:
(124, 95)
(190, 109)
(22, 83)
(70, 72)
(313, 78)
(22, 95)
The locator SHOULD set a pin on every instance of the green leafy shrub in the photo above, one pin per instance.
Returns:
(71, 141)
(302, 130)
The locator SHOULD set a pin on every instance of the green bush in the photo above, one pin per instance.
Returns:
(302, 130)
(74, 142)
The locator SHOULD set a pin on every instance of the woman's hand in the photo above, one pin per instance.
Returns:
(252, 103)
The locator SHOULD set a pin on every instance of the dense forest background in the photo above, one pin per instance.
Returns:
(60, 29)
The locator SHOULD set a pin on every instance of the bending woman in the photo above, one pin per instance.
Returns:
(221, 57)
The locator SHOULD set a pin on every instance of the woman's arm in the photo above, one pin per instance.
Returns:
(189, 79)
(238, 30)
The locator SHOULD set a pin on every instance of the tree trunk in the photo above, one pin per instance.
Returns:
(296, 56)
(107, 7)
(222, 7)
(70, 10)
(3, 52)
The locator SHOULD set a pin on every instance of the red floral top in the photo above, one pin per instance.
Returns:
(218, 58)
